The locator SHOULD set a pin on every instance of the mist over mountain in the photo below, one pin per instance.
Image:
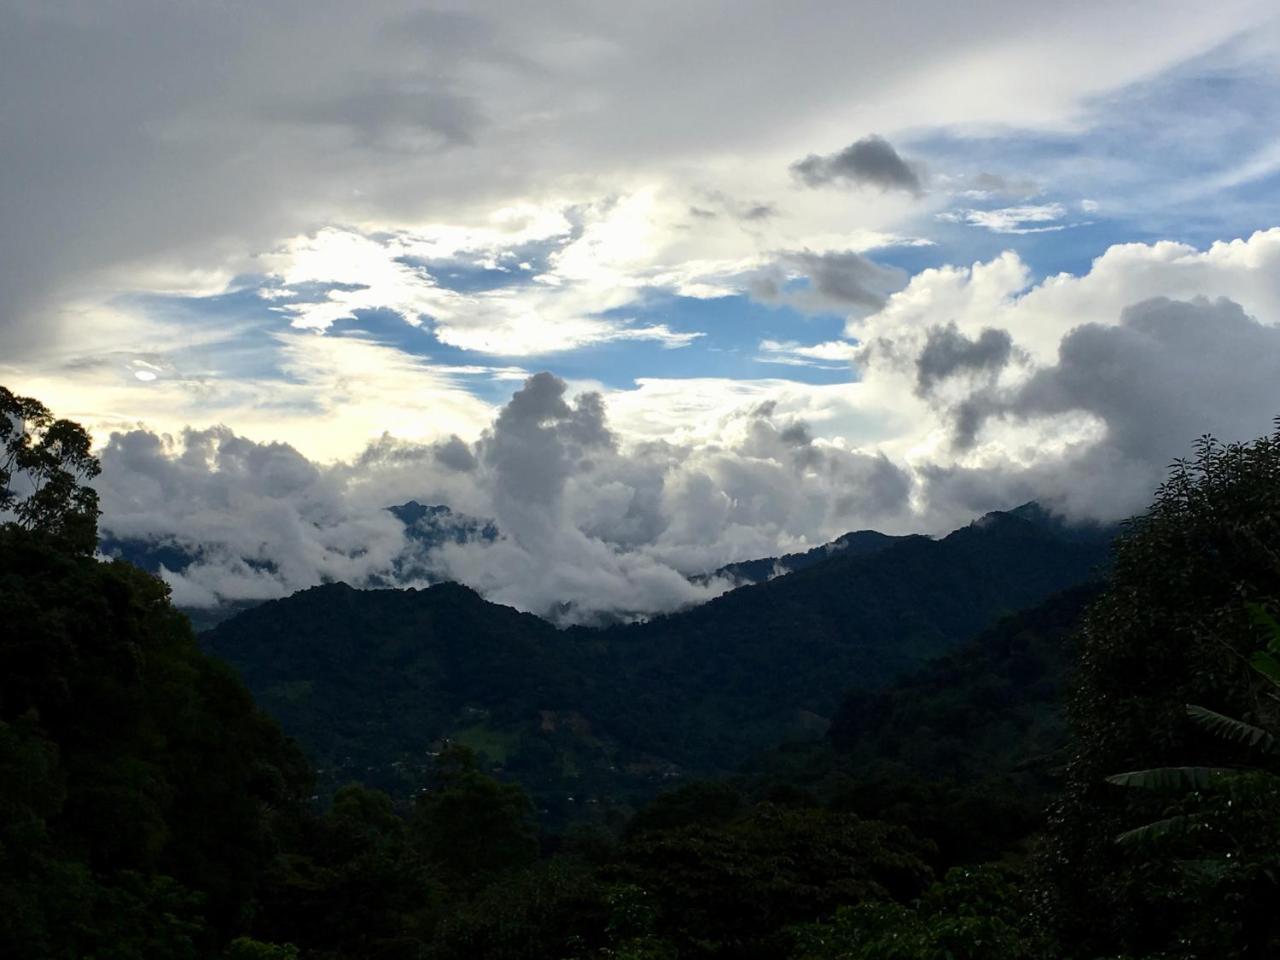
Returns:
(372, 681)
(856, 543)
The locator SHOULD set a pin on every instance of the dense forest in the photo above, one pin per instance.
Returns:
(1091, 776)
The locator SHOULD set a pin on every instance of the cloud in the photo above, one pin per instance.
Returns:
(869, 162)
(330, 396)
(1078, 390)
(831, 355)
(165, 151)
(1028, 218)
(1169, 371)
(985, 184)
(836, 281)
(590, 527)
(976, 389)
(260, 519)
(947, 352)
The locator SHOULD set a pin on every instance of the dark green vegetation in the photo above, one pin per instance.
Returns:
(1174, 628)
(859, 543)
(368, 681)
(149, 810)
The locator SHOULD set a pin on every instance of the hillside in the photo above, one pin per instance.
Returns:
(710, 685)
(371, 682)
(858, 543)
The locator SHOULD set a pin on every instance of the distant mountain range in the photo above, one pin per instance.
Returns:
(426, 525)
(372, 682)
(860, 543)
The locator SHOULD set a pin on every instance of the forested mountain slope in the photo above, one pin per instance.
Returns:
(371, 681)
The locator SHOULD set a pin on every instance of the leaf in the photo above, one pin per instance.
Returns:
(1156, 830)
(1258, 614)
(1170, 779)
(1210, 870)
(1266, 664)
(1231, 729)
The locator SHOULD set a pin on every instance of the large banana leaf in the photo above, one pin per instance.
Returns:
(1258, 614)
(1267, 664)
(1156, 830)
(1171, 779)
(1267, 660)
(1231, 729)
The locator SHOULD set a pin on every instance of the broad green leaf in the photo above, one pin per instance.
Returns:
(1210, 870)
(1157, 830)
(1231, 729)
(1266, 664)
(1171, 779)
(1258, 614)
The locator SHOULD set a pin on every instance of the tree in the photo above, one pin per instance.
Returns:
(471, 826)
(45, 467)
(972, 914)
(1171, 629)
(141, 791)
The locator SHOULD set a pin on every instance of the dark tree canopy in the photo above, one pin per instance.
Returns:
(1172, 628)
(45, 468)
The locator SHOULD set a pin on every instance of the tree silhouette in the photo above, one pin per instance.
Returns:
(45, 467)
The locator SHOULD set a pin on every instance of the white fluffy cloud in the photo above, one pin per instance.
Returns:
(589, 522)
(1078, 390)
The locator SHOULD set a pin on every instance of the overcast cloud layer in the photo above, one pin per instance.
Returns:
(654, 287)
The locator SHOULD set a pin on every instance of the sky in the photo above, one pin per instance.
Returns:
(654, 286)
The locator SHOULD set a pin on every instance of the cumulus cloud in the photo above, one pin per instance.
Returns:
(869, 162)
(590, 527)
(947, 352)
(1078, 390)
(841, 281)
(1167, 372)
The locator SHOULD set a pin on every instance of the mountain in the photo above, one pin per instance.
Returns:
(427, 526)
(968, 750)
(993, 705)
(435, 524)
(859, 543)
(371, 681)
(709, 685)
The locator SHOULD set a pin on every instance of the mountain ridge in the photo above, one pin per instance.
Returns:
(368, 680)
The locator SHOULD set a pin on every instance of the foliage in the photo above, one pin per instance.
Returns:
(972, 914)
(471, 826)
(728, 889)
(349, 883)
(141, 791)
(45, 466)
(1172, 628)
(246, 948)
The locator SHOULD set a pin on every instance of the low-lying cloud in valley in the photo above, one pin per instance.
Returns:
(1077, 391)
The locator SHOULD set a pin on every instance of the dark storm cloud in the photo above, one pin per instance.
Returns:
(455, 454)
(948, 352)
(869, 162)
(1168, 372)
